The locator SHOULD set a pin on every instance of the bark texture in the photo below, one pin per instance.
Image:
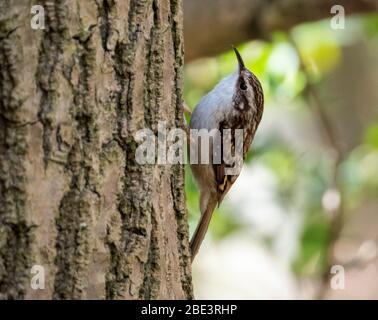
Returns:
(212, 26)
(72, 197)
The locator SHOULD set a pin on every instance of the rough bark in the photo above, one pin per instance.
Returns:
(212, 26)
(72, 197)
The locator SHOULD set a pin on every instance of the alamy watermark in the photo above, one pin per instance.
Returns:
(338, 20)
(38, 20)
(37, 282)
(337, 280)
(205, 147)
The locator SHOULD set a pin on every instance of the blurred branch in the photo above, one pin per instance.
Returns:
(338, 214)
(211, 26)
(318, 104)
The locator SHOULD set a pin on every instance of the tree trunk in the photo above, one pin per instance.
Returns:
(72, 197)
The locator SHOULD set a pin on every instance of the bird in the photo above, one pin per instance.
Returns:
(236, 102)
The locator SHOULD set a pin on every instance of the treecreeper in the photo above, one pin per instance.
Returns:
(234, 106)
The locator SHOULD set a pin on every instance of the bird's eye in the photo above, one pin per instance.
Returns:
(243, 86)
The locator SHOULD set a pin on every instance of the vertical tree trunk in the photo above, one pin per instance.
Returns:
(72, 197)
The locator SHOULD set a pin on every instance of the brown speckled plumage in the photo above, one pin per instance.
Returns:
(237, 102)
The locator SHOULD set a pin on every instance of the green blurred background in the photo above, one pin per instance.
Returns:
(307, 198)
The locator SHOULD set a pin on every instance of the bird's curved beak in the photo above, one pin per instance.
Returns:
(240, 60)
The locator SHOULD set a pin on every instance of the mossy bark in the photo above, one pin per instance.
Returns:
(72, 197)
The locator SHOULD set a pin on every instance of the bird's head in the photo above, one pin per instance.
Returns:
(248, 90)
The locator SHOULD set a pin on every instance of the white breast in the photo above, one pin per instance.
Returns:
(213, 107)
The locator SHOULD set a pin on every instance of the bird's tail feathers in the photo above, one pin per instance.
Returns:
(203, 225)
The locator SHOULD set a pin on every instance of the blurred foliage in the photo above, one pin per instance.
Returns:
(303, 174)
